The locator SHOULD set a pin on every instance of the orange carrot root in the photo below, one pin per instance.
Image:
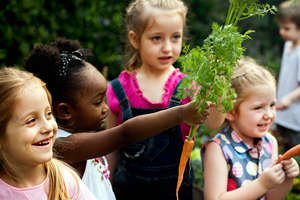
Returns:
(186, 153)
(295, 151)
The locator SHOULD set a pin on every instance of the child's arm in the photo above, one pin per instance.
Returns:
(91, 145)
(288, 99)
(291, 169)
(215, 118)
(216, 178)
(112, 158)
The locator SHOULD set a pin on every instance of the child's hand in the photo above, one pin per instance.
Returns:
(284, 103)
(290, 167)
(191, 115)
(272, 176)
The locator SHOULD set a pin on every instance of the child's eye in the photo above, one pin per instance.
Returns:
(31, 121)
(258, 108)
(156, 38)
(272, 105)
(49, 114)
(98, 102)
(176, 37)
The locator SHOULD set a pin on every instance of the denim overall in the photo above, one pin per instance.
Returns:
(147, 169)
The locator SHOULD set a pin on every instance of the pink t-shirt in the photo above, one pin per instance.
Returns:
(39, 192)
(138, 100)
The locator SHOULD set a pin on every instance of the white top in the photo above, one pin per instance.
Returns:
(38, 192)
(289, 79)
(93, 176)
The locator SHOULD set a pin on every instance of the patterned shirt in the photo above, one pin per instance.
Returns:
(244, 163)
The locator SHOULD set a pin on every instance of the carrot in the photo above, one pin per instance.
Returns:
(185, 154)
(295, 151)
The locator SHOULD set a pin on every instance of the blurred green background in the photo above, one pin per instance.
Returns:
(100, 25)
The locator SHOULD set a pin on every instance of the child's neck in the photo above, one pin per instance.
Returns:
(26, 177)
(295, 44)
(152, 81)
(152, 73)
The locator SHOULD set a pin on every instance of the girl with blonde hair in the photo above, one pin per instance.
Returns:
(27, 134)
(240, 161)
(149, 84)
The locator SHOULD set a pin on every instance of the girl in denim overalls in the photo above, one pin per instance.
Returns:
(78, 90)
(240, 161)
(149, 169)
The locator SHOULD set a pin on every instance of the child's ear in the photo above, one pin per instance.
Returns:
(63, 111)
(230, 115)
(133, 39)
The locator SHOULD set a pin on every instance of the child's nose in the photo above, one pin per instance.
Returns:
(167, 46)
(46, 126)
(269, 113)
(105, 108)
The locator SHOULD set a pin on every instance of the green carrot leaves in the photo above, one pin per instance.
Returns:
(210, 67)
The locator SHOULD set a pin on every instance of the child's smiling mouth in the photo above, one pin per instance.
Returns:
(43, 142)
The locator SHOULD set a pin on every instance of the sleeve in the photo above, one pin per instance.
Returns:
(298, 65)
(112, 100)
(76, 191)
(84, 192)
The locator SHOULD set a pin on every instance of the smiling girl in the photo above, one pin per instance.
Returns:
(149, 84)
(27, 134)
(240, 162)
(78, 91)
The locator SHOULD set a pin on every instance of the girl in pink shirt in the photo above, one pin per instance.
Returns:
(27, 134)
(149, 84)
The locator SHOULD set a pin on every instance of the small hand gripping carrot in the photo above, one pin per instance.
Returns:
(295, 151)
(186, 153)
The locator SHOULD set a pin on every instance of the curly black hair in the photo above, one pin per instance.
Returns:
(45, 62)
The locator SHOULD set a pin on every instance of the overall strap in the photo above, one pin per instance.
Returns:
(174, 100)
(123, 99)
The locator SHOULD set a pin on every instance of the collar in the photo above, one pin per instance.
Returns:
(240, 146)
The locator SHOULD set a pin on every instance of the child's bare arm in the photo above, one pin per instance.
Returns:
(215, 119)
(288, 99)
(85, 146)
(216, 171)
(112, 158)
(291, 169)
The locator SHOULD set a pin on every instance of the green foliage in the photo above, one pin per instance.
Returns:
(96, 24)
(100, 24)
(210, 67)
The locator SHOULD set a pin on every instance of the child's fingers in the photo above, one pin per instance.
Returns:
(210, 104)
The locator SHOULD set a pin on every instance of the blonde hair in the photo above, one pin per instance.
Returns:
(12, 82)
(249, 75)
(138, 14)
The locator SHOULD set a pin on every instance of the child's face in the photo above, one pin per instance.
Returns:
(160, 43)
(91, 109)
(289, 31)
(256, 114)
(31, 131)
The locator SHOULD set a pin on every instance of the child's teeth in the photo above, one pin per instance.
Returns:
(43, 143)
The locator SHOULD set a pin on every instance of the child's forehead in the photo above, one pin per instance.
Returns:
(155, 17)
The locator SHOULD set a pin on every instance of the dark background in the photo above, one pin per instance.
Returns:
(100, 25)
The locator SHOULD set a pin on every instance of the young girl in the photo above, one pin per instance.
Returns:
(240, 162)
(149, 85)
(27, 134)
(78, 91)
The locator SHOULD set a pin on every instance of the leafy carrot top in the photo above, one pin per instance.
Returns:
(210, 67)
